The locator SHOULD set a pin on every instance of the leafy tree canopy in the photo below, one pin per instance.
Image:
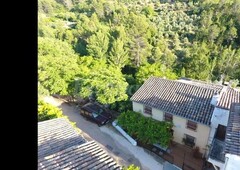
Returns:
(131, 167)
(101, 81)
(47, 111)
(57, 65)
(155, 69)
(137, 39)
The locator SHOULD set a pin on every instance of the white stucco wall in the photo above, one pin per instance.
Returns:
(137, 107)
(220, 116)
(201, 134)
(157, 114)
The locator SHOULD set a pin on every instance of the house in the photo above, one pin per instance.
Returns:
(225, 153)
(61, 147)
(189, 104)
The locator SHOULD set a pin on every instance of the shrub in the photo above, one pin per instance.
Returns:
(131, 167)
(145, 129)
(47, 111)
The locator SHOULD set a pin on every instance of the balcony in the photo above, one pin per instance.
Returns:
(217, 150)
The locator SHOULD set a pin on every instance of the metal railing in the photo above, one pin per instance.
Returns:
(217, 150)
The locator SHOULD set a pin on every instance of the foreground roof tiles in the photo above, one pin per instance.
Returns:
(85, 156)
(55, 135)
(61, 147)
(233, 130)
(189, 100)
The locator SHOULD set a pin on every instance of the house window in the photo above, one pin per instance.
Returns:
(148, 110)
(191, 125)
(189, 140)
(168, 117)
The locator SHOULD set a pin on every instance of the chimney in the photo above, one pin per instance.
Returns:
(215, 99)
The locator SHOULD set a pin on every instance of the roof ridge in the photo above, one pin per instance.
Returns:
(186, 83)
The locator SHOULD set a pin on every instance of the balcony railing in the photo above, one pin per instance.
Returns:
(217, 150)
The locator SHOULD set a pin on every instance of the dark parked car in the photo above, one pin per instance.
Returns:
(95, 113)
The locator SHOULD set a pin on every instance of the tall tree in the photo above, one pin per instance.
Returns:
(98, 45)
(118, 53)
(140, 49)
(57, 65)
(138, 33)
(156, 69)
(228, 62)
(100, 81)
(198, 64)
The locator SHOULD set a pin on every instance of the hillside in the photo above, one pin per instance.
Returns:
(106, 49)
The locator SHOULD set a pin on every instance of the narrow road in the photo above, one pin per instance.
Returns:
(109, 139)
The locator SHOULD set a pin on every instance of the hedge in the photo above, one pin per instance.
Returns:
(145, 129)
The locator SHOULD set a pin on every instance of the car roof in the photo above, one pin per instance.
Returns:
(92, 107)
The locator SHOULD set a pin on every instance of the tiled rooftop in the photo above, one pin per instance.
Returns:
(56, 135)
(85, 156)
(230, 96)
(233, 130)
(188, 100)
(60, 146)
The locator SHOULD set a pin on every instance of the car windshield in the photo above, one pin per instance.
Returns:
(95, 114)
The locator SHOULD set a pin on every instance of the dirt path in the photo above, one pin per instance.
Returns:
(109, 139)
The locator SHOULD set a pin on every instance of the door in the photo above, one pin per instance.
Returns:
(221, 132)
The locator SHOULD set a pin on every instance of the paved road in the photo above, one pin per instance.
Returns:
(112, 141)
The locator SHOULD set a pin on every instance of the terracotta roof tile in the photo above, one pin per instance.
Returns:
(230, 96)
(55, 135)
(191, 100)
(61, 147)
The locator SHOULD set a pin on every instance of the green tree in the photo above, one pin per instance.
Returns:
(44, 26)
(47, 111)
(57, 65)
(131, 167)
(162, 53)
(118, 53)
(183, 72)
(140, 49)
(98, 45)
(228, 62)
(42, 91)
(198, 65)
(194, 35)
(155, 69)
(138, 32)
(101, 81)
